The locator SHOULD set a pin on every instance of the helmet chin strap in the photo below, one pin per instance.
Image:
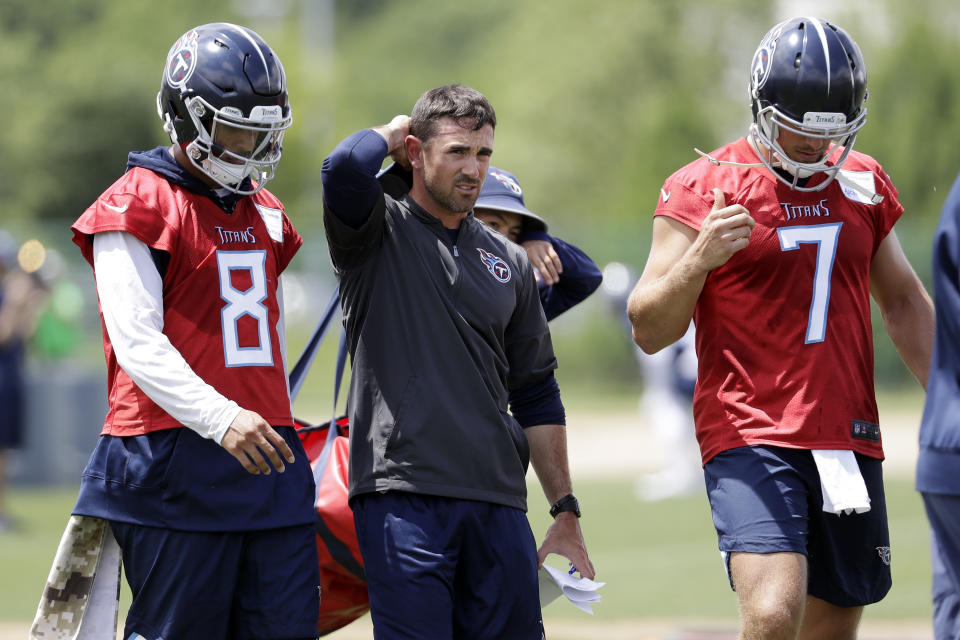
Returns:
(778, 160)
(794, 169)
(777, 163)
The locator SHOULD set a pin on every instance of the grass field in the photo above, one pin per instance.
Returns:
(664, 577)
(659, 560)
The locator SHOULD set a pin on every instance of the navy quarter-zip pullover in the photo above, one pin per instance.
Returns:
(440, 331)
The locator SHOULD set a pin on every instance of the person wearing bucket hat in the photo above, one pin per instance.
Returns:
(501, 193)
(565, 275)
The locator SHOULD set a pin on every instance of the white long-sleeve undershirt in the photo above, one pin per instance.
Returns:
(131, 300)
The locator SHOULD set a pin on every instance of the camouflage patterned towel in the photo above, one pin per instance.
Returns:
(80, 599)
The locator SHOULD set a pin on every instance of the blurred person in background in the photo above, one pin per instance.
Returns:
(445, 328)
(198, 468)
(669, 377)
(60, 328)
(778, 282)
(21, 299)
(939, 457)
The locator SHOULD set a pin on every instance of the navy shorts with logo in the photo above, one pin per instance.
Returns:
(442, 568)
(193, 585)
(768, 499)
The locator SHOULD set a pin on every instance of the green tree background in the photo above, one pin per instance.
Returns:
(597, 102)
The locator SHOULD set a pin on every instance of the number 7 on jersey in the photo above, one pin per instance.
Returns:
(824, 236)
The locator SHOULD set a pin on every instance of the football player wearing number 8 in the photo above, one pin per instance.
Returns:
(198, 469)
(773, 244)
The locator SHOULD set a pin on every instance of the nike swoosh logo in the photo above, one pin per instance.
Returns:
(665, 195)
(117, 209)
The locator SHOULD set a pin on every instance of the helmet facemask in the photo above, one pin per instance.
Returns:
(230, 147)
(769, 122)
(807, 78)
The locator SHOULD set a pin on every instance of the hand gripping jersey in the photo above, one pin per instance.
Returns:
(219, 293)
(784, 337)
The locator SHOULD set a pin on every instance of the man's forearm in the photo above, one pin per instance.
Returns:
(910, 327)
(660, 310)
(548, 454)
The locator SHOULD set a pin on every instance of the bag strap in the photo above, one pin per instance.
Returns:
(334, 429)
(401, 181)
(337, 548)
(299, 370)
(396, 181)
(338, 378)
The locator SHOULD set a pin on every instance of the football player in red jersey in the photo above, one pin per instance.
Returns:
(198, 469)
(773, 244)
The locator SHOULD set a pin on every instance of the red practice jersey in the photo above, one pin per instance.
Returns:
(219, 293)
(784, 337)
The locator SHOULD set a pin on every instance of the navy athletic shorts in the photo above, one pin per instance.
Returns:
(213, 586)
(768, 499)
(442, 568)
(943, 511)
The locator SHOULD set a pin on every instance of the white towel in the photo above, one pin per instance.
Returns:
(843, 488)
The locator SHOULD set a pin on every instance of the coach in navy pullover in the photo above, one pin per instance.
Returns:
(445, 330)
(419, 311)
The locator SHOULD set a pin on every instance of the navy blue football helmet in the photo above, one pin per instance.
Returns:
(223, 99)
(808, 76)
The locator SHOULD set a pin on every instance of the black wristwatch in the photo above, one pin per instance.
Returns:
(566, 503)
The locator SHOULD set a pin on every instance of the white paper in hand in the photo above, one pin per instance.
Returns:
(579, 591)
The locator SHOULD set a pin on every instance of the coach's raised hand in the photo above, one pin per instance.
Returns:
(395, 133)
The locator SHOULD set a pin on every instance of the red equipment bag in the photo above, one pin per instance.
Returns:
(343, 589)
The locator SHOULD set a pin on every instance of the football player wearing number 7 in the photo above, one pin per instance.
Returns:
(198, 469)
(773, 244)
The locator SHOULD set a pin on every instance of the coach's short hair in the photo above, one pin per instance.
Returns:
(466, 105)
